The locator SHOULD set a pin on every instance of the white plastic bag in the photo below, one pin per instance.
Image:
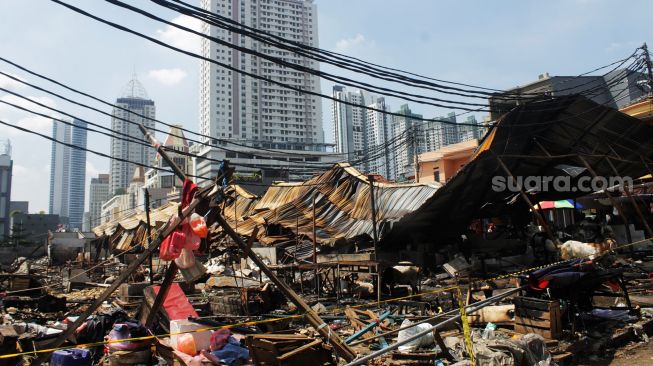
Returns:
(425, 340)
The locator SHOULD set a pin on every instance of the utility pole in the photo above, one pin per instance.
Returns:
(649, 69)
(416, 154)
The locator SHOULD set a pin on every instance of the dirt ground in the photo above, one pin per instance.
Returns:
(640, 354)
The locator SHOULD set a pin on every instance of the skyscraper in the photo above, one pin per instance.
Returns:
(6, 167)
(379, 133)
(407, 127)
(349, 123)
(98, 194)
(139, 109)
(77, 171)
(68, 172)
(59, 170)
(259, 113)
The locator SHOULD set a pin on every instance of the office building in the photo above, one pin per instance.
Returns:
(60, 169)
(68, 172)
(254, 112)
(6, 169)
(77, 171)
(136, 108)
(98, 195)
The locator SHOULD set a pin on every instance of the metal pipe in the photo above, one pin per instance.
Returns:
(474, 308)
(430, 319)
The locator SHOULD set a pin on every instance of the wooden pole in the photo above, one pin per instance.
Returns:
(168, 279)
(148, 231)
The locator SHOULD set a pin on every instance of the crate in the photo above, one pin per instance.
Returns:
(288, 350)
(228, 302)
(538, 316)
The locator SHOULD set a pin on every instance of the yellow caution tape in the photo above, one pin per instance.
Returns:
(463, 315)
(466, 329)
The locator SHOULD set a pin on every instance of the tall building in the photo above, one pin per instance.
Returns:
(97, 196)
(77, 171)
(258, 113)
(349, 123)
(59, 169)
(407, 127)
(470, 129)
(379, 132)
(68, 172)
(6, 168)
(139, 109)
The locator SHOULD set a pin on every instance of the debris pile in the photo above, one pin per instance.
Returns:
(310, 274)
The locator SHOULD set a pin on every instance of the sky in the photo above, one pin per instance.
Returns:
(496, 44)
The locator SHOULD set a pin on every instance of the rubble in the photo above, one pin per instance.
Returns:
(236, 285)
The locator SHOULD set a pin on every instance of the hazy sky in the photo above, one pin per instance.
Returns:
(496, 44)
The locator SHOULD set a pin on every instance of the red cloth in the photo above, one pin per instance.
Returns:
(176, 303)
(188, 192)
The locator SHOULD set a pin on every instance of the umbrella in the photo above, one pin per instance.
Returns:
(547, 205)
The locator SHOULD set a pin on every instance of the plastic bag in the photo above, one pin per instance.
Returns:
(411, 346)
(186, 259)
(169, 250)
(198, 225)
(192, 240)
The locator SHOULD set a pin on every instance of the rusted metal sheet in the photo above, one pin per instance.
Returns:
(342, 196)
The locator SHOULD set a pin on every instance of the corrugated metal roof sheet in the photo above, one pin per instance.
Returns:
(343, 208)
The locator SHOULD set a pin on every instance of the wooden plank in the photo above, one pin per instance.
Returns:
(546, 333)
(531, 303)
(285, 356)
(533, 322)
(530, 313)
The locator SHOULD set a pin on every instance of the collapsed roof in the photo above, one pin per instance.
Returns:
(545, 138)
(342, 207)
